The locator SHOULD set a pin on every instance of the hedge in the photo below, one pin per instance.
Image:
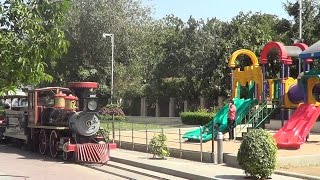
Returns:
(196, 118)
(108, 117)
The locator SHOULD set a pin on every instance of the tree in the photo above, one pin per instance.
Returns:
(253, 31)
(196, 53)
(168, 67)
(89, 57)
(310, 25)
(30, 36)
(310, 20)
(182, 70)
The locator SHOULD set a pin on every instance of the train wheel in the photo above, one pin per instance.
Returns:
(42, 142)
(54, 143)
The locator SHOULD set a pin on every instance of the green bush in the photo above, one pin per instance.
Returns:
(200, 117)
(158, 146)
(258, 154)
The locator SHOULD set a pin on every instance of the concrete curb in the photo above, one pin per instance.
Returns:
(231, 161)
(297, 175)
(187, 175)
(168, 171)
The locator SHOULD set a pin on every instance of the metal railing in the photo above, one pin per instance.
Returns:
(260, 115)
(119, 131)
(268, 113)
(253, 118)
(248, 113)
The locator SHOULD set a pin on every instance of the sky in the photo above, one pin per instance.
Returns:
(222, 9)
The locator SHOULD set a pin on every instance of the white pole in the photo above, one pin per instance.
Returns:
(104, 35)
(300, 20)
(112, 64)
(300, 29)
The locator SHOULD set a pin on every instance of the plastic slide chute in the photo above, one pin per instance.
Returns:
(296, 129)
(243, 107)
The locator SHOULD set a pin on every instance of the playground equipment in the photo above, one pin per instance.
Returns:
(205, 132)
(296, 129)
(290, 93)
(267, 95)
(251, 75)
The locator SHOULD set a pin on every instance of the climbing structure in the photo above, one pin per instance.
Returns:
(251, 75)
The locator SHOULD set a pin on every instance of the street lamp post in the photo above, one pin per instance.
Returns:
(300, 31)
(104, 35)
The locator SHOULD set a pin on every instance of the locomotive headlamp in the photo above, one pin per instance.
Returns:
(92, 105)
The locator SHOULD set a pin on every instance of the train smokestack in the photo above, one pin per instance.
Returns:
(82, 91)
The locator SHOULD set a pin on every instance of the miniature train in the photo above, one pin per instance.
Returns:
(58, 120)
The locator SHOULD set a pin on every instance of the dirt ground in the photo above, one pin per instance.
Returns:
(173, 141)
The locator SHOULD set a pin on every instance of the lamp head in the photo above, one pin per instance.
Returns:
(104, 35)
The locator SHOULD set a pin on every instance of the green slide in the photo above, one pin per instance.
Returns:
(243, 108)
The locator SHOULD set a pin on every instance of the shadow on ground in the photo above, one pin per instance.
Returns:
(27, 154)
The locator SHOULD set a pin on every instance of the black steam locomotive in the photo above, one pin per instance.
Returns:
(58, 120)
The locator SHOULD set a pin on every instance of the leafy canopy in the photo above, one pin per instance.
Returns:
(30, 32)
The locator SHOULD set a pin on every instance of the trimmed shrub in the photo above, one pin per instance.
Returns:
(158, 146)
(257, 154)
(106, 113)
(200, 117)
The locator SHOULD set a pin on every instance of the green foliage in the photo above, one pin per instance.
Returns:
(90, 56)
(156, 59)
(158, 146)
(200, 117)
(310, 19)
(30, 37)
(258, 154)
(104, 133)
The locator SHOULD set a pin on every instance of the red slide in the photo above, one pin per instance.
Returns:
(296, 129)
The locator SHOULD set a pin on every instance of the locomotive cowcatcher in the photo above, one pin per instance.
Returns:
(59, 120)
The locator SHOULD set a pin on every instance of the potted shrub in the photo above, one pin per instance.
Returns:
(257, 154)
(158, 146)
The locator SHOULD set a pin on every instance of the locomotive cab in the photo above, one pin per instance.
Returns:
(13, 120)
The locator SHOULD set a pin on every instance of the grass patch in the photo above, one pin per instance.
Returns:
(125, 126)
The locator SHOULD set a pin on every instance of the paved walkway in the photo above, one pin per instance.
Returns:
(185, 168)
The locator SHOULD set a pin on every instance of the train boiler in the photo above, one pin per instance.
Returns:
(64, 121)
